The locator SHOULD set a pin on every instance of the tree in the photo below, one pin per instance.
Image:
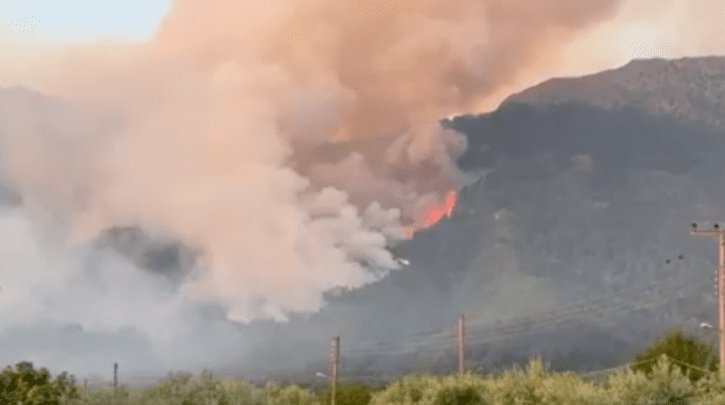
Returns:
(29, 386)
(677, 345)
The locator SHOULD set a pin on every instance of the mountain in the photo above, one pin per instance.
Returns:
(689, 89)
(583, 214)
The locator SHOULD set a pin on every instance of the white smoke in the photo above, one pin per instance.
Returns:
(193, 134)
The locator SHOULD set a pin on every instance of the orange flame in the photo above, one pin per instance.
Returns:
(433, 212)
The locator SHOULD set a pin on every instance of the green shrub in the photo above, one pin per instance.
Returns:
(458, 396)
(28, 386)
(710, 390)
(679, 346)
(410, 390)
(536, 386)
(664, 384)
(347, 393)
(289, 395)
(181, 389)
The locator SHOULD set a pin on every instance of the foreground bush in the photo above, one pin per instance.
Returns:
(534, 386)
(28, 386)
(677, 345)
(664, 383)
(181, 389)
(346, 393)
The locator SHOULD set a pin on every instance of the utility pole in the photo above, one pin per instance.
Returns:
(460, 342)
(716, 231)
(334, 360)
(115, 377)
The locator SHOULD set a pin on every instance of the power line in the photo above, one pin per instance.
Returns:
(562, 309)
(516, 329)
(624, 299)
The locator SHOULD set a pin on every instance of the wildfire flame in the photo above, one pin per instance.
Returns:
(434, 212)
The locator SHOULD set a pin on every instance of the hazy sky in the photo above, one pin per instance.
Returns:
(80, 20)
(640, 29)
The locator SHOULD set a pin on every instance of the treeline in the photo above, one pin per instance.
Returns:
(674, 369)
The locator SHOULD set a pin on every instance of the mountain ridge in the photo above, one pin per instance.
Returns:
(689, 88)
(671, 172)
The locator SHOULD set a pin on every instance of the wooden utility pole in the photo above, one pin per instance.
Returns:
(716, 231)
(334, 360)
(460, 342)
(115, 377)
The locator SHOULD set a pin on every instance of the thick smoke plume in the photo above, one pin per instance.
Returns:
(289, 141)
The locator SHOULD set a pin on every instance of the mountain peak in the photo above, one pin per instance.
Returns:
(691, 89)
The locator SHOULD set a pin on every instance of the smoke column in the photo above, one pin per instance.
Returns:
(290, 141)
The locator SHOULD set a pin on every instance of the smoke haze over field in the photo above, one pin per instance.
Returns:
(213, 132)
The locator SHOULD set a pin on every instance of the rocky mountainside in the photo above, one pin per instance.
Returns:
(584, 215)
(690, 89)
